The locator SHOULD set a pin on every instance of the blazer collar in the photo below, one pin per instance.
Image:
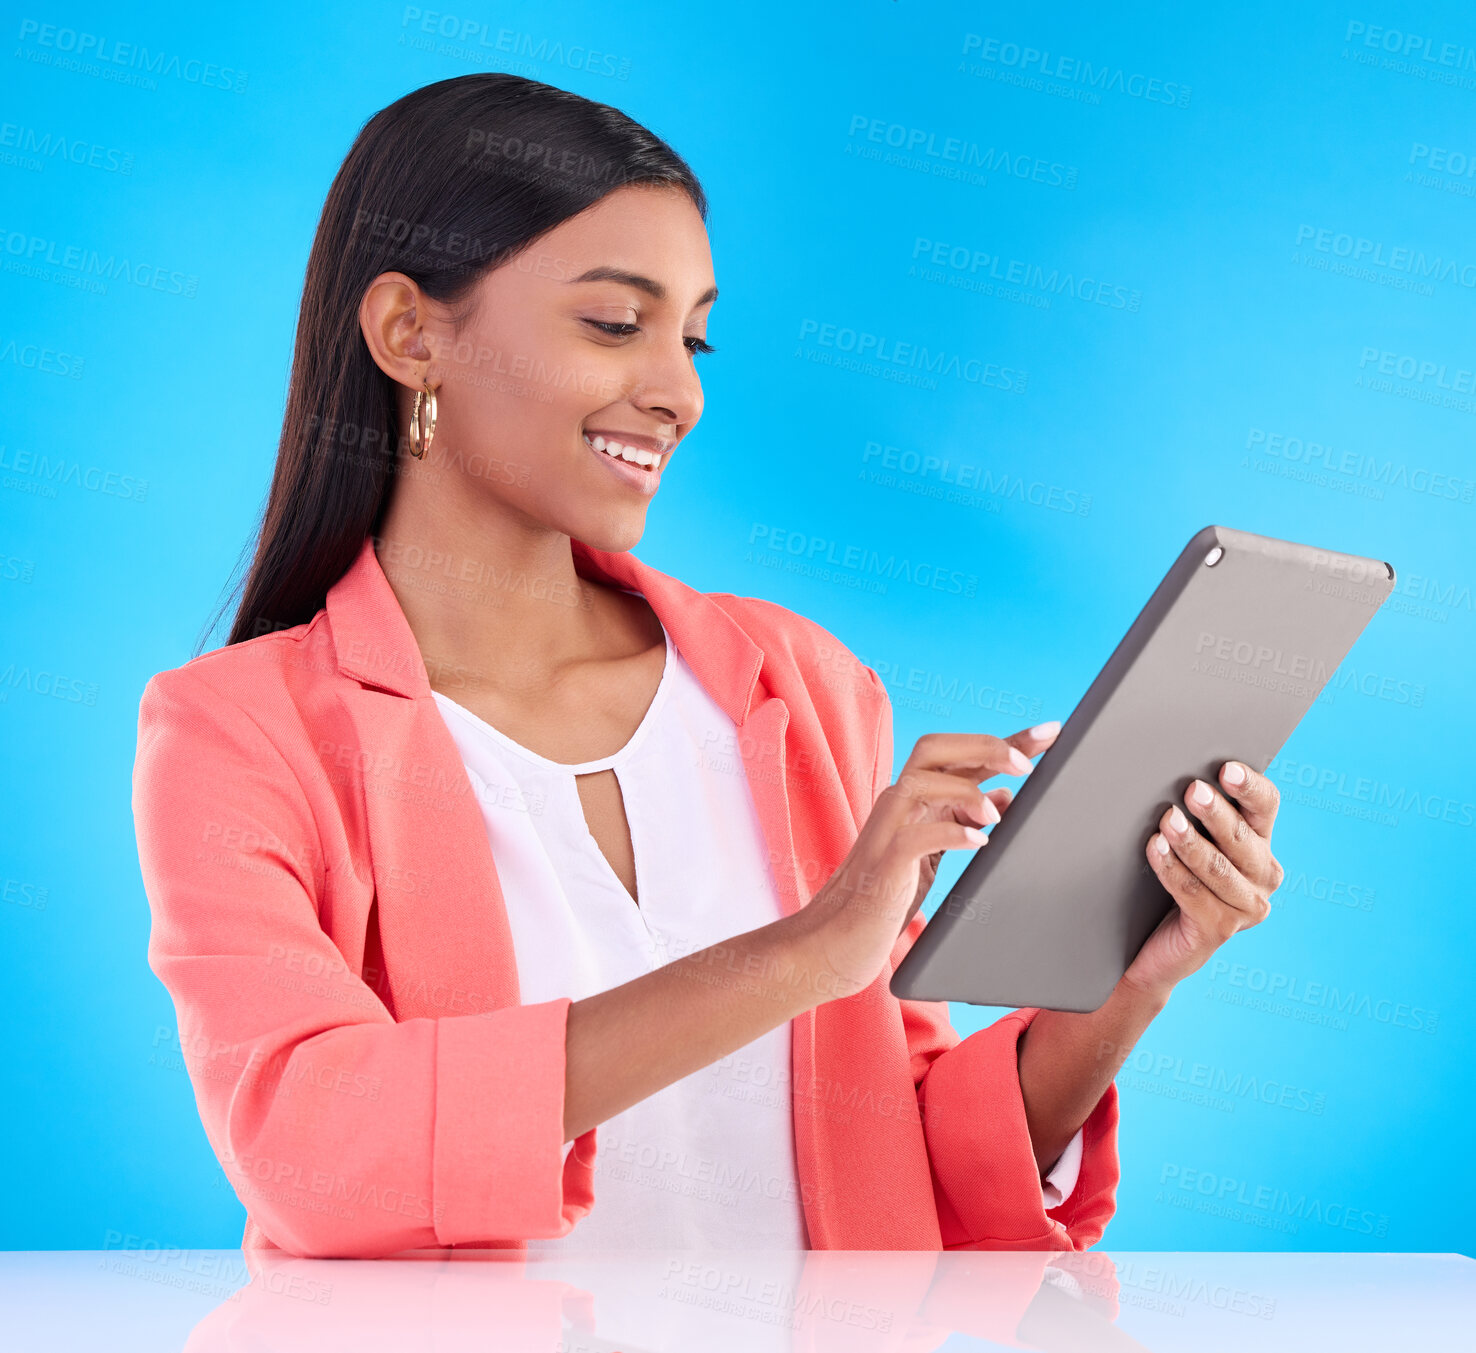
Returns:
(375, 645)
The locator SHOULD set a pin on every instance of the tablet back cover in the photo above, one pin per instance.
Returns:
(1220, 665)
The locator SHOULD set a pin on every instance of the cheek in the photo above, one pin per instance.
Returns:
(523, 393)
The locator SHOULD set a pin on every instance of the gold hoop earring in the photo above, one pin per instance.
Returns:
(423, 422)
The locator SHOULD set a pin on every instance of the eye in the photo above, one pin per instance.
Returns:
(693, 344)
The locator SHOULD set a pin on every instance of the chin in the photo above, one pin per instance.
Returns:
(614, 534)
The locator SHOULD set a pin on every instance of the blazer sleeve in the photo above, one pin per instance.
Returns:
(345, 1134)
(986, 1183)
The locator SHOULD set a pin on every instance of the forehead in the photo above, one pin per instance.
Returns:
(648, 231)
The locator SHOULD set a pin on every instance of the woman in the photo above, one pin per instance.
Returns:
(512, 893)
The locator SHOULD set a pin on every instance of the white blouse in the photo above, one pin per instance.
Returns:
(709, 1161)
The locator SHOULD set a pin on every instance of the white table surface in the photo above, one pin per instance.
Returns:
(138, 1296)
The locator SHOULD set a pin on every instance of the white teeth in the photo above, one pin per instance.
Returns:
(635, 454)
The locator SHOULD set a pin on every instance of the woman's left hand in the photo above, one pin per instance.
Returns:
(1221, 886)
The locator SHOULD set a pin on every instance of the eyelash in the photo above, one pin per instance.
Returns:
(702, 347)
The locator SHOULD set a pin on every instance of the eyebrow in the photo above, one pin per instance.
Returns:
(651, 287)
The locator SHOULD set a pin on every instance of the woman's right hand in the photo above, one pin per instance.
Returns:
(935, 804)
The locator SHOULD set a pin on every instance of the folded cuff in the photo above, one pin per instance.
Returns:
(499, 1165)
(985, 1173)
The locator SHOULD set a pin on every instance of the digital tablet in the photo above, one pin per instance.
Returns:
(1222, 663)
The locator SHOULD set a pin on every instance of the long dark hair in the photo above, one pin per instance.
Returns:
(443, 185)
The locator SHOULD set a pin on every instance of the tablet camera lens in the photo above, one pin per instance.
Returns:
(1213, 557)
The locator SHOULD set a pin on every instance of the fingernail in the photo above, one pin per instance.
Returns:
(1200, 793)
(1178, 821)
(1044, 730)
(1020, 761)
(1159, 844)
(974, 836)
(1234, 773)
(991, 810)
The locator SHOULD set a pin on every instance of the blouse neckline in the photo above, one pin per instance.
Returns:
(577, 767)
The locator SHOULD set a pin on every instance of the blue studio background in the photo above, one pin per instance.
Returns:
(1230, 280)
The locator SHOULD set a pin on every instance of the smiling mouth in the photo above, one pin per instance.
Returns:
(630, 455)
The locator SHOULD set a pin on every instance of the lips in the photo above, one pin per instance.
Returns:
(645, 479)
(633, 449)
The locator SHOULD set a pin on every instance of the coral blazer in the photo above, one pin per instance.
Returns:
(328, 921)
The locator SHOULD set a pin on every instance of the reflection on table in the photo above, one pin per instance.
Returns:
(138, 1295)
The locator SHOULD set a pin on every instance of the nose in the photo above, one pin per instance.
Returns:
(669, 387)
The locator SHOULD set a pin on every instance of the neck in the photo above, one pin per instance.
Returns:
(494, 600)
